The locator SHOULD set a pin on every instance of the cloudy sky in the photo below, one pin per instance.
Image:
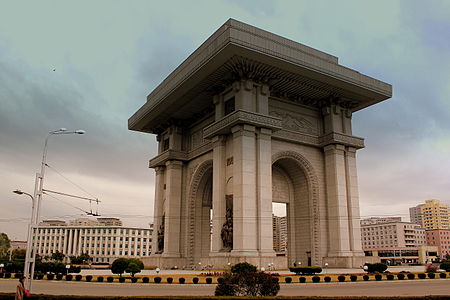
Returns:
(90, 64)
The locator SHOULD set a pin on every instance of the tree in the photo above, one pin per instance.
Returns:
(57, 256)
(119, 266)
(18, 254)
(133, 269)
(5, 244)
(136, 261)
(81, 259)
(245, 280)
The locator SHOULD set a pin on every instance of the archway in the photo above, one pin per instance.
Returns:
(292, 183)
(199, 243)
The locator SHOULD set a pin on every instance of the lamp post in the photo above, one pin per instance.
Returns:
(30, 248)
(1, 268)
(326, 267)
(67, 269)
(38, 191)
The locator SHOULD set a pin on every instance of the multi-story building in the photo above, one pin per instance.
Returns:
(102, 242)
(379, 220)
(433, 214)
(279, 225)
(441, 239)
(394, 242)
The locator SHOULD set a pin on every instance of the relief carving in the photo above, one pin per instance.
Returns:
(294, 122)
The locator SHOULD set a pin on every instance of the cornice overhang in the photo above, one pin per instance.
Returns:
(224, 125)
(293, 70)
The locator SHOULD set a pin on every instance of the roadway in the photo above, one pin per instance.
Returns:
(371, 288)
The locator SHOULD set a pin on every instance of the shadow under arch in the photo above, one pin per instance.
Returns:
(303, 224)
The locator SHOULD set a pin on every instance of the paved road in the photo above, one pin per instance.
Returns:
(383, 288)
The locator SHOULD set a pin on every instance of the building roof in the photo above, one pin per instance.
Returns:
(240, 51)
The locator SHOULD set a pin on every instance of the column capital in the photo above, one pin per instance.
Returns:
(243, 129)
(334, 148)
(219, 140)
(174, 164)
(159, 170)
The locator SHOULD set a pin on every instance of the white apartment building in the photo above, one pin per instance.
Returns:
(103, 243)
(279, 225)
(394, 242)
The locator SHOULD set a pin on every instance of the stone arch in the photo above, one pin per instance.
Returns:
(200, 180)
(312, 185)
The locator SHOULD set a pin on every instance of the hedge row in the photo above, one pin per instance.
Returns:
(4, 296)
(378, 277)
(209, 280)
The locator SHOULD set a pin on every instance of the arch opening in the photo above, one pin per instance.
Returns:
(290, 187)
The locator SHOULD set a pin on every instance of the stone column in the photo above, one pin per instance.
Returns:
(245, 233)
(158, 206)
(353, 201)
(172, 204)
(218, 193)
(264, 191)
(336, 186)
(69, 248)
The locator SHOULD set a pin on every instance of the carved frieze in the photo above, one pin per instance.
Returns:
(294, 122)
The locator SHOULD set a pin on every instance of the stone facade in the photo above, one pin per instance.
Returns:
(248, 119)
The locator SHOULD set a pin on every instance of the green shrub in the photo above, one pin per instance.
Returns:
(422, 275)
(59, 276)
(327, 279)
(121, 279)
(243, 267)
(390, 277)
(316, 279)
(288, 279)
(401, 276)
(305, 270)
(378, 277)
(431, 275)
(411, 276)
(169, 279)
(220, 280)
(195, 280)
(145, 279)
(442, 275)
(353, 277)
(69, 277)
(50, 276)
(208, 280)
(1, 275)
(366, 277)
(376, 267)
(100, 279)
(78, 277)
(88, 278)
(248, 283)
(341, 278)
(157, 280)
(134, 279)
(109, 279)
(445, 266)
(302, 279)
(181, 280)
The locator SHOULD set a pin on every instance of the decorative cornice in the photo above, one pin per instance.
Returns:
(224, 125)
(342, 139)
(167, 155)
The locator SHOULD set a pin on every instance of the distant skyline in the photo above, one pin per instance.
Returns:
(90, 65)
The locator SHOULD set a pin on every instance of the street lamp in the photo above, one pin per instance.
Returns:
(38, 191)
(1, 268)
(28, 263)
(326, 266)
(366, 268)
(67, 269)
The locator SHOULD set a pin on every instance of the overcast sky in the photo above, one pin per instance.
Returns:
(90, 65)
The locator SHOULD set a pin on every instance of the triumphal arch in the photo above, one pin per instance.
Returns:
(248, 119)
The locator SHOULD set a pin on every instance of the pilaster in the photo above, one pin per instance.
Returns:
(336, 187)
(264, 191)
(158, 208)
(172, 209)
(245, 233)
(218, 193)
